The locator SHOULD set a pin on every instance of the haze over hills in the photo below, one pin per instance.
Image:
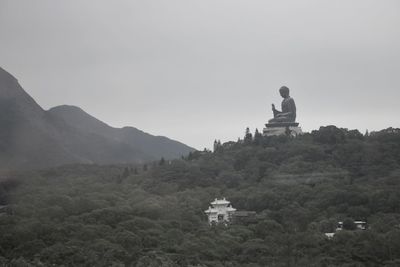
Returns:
(31, 137)
(297, 190)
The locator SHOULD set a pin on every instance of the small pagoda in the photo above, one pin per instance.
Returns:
(220, 211)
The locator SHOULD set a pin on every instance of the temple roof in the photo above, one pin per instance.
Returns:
(220, 202)
(214, 210)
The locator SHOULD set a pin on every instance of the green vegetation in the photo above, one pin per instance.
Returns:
(152, 215)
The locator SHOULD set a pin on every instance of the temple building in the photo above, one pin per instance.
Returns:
(220, 211)
(358, 225)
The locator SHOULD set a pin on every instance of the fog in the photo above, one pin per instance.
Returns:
(196, 71)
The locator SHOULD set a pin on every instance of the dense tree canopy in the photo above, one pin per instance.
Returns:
(153, 215)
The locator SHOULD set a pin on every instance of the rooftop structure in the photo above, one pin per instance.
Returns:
(359, 225)
(244, 217)
(220, 211)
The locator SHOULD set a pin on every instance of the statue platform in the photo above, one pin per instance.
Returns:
(282, 124)
(284, 128)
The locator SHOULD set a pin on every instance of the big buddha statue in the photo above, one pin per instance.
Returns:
(284, 121)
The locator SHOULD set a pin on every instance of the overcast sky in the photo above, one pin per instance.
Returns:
(201, 70)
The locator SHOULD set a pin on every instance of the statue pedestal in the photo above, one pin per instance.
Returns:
(276, 129)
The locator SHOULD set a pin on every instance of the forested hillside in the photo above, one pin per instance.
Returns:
(153, 215)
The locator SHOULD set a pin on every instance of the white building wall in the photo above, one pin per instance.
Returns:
(220, 211)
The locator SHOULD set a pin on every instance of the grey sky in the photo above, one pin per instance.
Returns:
(202, 70)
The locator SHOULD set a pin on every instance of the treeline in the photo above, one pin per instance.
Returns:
(153, 215)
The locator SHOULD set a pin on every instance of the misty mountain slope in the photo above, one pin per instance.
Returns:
(155, 146)
(11, 91)
(27, 139)
(91, 147)
(31, 137)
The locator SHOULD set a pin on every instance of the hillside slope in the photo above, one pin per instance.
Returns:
(154, 146)
(153, 215)
(31, 137)
(27, 137)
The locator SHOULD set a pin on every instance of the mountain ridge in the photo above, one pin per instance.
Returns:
(31, 137)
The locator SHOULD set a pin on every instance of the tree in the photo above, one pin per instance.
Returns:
(217, 146)
(248, 137)
(299, 188)
(329, 135)
(257, 137)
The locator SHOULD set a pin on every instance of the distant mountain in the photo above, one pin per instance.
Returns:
(31, 137)
(152, 147)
